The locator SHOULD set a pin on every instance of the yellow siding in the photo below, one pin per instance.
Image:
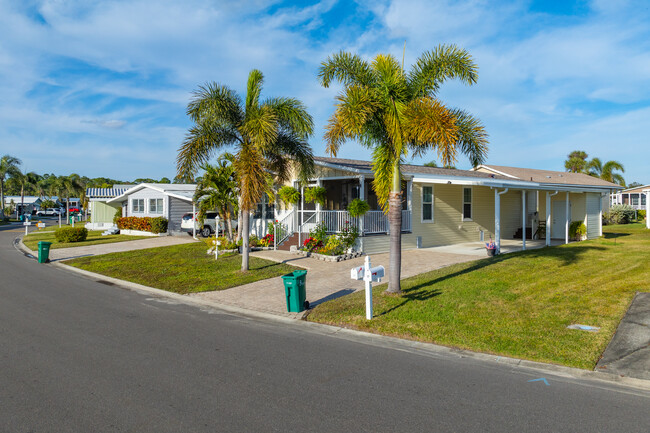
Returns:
(381, 243)
(448, 227)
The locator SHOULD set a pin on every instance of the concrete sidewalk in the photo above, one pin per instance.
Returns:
(325, 280)
(59, 254)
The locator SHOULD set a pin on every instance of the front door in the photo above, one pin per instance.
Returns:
(559, 219)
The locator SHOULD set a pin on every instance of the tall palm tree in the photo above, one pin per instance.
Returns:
(576, 162)
(8, 166)
(266, 136)
(396, 114)
(25, 182)
(217, 189)
(606, 171)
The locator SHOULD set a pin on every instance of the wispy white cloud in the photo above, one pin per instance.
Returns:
(115, 76)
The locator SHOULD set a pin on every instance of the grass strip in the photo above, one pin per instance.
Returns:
(181, 268)
(518, 304)
(94, 238)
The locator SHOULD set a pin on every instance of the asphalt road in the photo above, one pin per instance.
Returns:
(81, 356)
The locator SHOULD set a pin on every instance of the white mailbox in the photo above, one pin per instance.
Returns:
(357, 273)
(375, 274)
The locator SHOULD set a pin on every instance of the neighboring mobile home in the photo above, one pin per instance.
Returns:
(448, 206)
(101, 212)
(170, 201)
(635, 197)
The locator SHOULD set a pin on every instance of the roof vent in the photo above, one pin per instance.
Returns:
(548, 177)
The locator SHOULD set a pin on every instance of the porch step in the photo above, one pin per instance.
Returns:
(292, 240)
(529, 233)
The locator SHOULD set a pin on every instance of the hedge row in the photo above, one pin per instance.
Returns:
(144, 224)
(70, 234)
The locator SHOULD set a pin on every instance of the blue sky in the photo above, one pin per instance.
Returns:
(100, 87)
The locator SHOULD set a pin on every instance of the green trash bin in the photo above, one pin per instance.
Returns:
(44, 251)
(295, 291)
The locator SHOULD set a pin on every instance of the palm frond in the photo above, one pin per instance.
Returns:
(292, 116)
(436, 66)
(383, 160)
(216, 103)
(254, 89)
(472, 137)
(199, 145)
(345, 68)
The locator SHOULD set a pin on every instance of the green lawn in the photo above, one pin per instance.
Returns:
(94, 238)
(517, 305)
(181, 268)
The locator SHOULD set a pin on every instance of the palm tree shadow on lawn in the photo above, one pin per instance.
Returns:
(424, 291)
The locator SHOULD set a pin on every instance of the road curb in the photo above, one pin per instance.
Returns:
(395, 343)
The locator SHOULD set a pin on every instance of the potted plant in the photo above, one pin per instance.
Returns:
(491, 248)
(316, 194)
(289, 195)
(358, 207)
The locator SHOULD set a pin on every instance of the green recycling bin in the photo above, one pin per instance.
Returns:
(295, 291)
(44, 251)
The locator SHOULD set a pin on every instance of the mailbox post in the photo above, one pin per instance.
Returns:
(369, 275)
(27, 224)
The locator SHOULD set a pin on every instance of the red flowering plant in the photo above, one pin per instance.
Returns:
(266, 240)
(312, 244)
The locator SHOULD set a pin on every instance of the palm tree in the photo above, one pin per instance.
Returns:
(8, 166)
(606, 172)
(217, 189)
(25, 182)
(396, 114)
(266, 135)
(576, 162)
(67, 186)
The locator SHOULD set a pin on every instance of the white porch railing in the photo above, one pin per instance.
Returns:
(374, 221)
(284, 227)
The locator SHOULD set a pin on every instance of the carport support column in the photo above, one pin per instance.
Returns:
(362, 196)
(319, 183)
(523, 219)
(566, 222)
(497, 218)
(647, 209)
(548, 217)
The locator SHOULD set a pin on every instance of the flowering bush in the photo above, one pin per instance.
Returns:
(490, 245)
(144, 224)
(266, 240)
(312, 244)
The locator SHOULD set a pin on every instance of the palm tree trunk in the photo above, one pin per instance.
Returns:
(228, 222)
(2, 198)
(395, 256)
(395, 222)
(244, 230)
(239, 222)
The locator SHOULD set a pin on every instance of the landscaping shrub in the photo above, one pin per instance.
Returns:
(159, 225)
(253, 241)
(619, 214)
(577, 230)
(70, 234)
(640, 214)
(144, 224)
(117, 216)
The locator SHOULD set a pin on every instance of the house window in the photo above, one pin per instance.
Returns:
(138, 205)
(156, 205)
(642, 199)
(427, 204)
(270, 211)
(635, 199)
(467, 204)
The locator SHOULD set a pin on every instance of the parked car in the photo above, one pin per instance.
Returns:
(50, 212)
(189, 222)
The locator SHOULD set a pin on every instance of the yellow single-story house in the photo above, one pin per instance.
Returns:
(447, 206)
